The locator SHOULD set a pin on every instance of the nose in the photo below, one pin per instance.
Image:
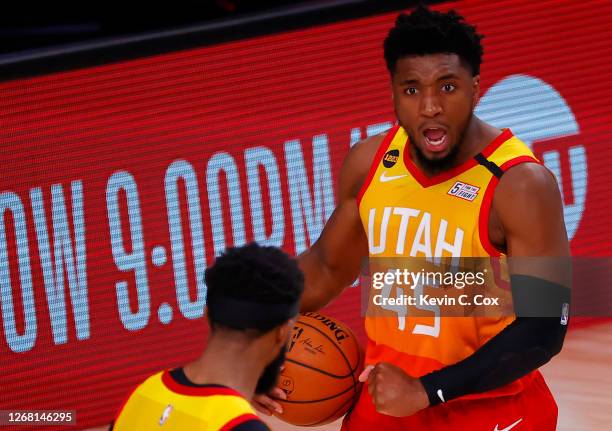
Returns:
(430, 105)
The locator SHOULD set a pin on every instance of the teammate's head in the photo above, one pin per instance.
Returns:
(253, 293)
(434, 60)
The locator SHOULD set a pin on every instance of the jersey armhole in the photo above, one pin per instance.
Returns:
(382, 148)
(487, 202)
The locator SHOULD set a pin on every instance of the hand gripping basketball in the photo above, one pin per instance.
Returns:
(268, 403)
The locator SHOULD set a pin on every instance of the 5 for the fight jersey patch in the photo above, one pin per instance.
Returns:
(464, 191)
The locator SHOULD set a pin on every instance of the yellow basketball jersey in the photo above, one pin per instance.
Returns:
(161, 403)
(407, 214)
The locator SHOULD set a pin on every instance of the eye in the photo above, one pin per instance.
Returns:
(411, 91)
(448, 88)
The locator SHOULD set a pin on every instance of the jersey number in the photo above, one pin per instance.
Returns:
(402, 310)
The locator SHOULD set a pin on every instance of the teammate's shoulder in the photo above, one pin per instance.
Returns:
(153, 378)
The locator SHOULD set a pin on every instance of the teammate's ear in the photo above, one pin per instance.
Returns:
(285, 329)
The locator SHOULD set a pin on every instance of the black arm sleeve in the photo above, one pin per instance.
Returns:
(524, 345)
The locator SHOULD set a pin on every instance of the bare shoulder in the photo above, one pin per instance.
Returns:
(529, 211)
(357, 164)
(525, 182)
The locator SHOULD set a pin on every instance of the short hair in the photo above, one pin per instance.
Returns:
(426, 32)
(254, 273)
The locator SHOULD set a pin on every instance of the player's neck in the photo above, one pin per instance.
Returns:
(228, 363)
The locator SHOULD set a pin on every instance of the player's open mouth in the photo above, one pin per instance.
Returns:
(436, 140)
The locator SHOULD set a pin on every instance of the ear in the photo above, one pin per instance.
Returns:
(283, 331)
(476, 90)
(392, 78)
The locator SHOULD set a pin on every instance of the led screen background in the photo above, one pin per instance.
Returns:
(121, 182)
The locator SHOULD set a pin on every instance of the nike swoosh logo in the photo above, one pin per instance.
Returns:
(509, 427)
(384, 178)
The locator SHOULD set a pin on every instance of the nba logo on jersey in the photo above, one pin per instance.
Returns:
(564, 313)
(165, 414)
(464, 191)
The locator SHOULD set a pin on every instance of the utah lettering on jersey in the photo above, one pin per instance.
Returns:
(424, 241)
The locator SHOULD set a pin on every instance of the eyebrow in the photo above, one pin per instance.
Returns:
(442, 78)
(448, 76)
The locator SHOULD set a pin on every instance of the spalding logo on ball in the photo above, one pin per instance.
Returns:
(321, 371)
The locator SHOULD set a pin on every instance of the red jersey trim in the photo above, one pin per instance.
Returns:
(238, 420)
(382, 149)
(487, 201)
(426, 181)
(203, 391)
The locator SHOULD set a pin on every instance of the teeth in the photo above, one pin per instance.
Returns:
(436, 142)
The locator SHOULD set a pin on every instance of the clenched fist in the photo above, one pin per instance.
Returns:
(394, 392)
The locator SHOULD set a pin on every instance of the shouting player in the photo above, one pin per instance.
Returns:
(253, 300)
(444, 183)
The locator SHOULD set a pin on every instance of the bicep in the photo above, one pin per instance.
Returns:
(334, 260)
(343, 243)
(529, 206)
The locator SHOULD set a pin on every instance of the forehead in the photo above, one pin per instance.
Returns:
(430, 66)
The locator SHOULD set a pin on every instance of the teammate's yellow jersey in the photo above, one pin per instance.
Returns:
(407, 214)
(163, 403)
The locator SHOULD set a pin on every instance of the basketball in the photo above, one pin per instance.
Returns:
(321, 371)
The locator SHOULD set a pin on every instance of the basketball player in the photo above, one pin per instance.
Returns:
(397, 197)
(253, 300)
